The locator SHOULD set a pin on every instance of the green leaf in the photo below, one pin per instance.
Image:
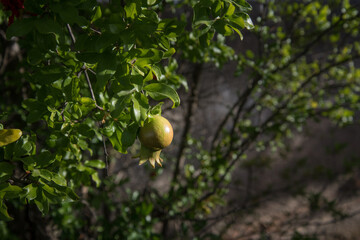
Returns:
(140, 107)
(36, 109)
(247, 21)
(85, 130)
(156, 71)
(40, 160)
(146, 56)
(237, 21)
(86, 101)
(83, 144)
(95, 164)
(49, 26)
(50, 74)
(69, 14)
(50, 192)
(41, 201)
(20, 27)
(237, 31)
(142, 28)
(172, 28)
(35, 56)
(137, 79)
(97, 14)
(164, 42)
(63, 191)
(201, 12)
(242, 4)
(132, 9)
(156, 110)
(129, 135)
(120, 104)
(96, 179)
(88, 44)
(10, 191)
(160, 91)
(136, 111)
(169, 53)
(203, 26)
(58, 179)
(72, 90)
(23, 147)
(230, 11)
(43, 173)
(30, 191)
(108, 130)
(6, 171)
(106, 40)
(4, 215)
(105, 69)
(115, 139)
(88, 57)
(72, 194)
(87, 104)
(151, 2)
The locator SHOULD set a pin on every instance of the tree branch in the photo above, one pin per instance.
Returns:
(189, 113)
(192, 100)
(241, 103)
(243, 147)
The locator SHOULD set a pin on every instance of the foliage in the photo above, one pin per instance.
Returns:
(89, 72)
(92, 73)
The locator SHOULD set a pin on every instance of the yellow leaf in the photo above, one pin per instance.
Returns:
(8, 136)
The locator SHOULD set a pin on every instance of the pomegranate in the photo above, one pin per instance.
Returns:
(156, 134)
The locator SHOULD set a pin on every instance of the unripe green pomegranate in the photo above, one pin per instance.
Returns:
(156, 134)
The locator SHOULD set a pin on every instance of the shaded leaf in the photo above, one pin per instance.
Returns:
(105, 69)
(129, 135)
(20, 27)
(6, 171)
(160, 91)
(10, 191)
(4, 215)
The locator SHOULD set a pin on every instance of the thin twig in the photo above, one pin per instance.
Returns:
(237, 116)
(84, 69)
(241, 103)
(92, 71)
(95, 30)
(106, 155)
(91, 89)
(73, 40)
